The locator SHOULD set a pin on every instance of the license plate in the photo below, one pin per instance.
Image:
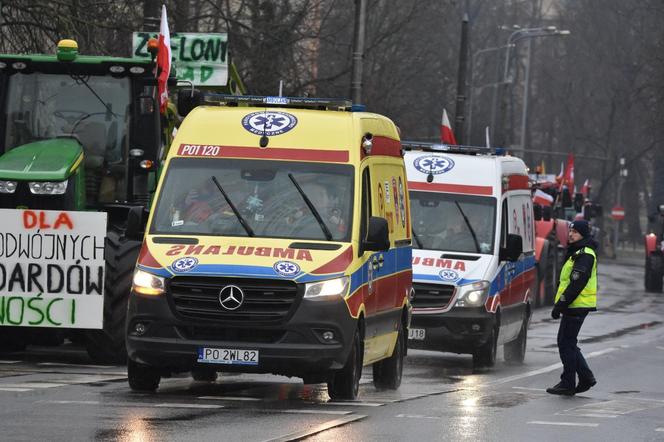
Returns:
(228, 356)
(416, 333)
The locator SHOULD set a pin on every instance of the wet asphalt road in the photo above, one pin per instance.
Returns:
(57, 394)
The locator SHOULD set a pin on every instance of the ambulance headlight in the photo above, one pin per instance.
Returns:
(7, 186)
(48, 187)
(327, 290)
(473, 294)
(147, 284)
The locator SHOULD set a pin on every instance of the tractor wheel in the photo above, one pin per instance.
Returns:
(653, 273)
(107, 346)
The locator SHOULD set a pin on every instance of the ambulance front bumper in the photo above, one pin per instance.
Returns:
(296, 346)
(459, 330)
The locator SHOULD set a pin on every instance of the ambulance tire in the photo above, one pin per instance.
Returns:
(387, 373)
(653, 274)
(142, 377)
(107, 346)
(203, 375)
(345, 383)
(515, 351)
(485, 356)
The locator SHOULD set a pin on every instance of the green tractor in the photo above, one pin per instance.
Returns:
(77, 133)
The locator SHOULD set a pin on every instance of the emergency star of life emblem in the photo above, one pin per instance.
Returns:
(286, 268)
(231, 297)
(448, 275)
(269, 123)
(435, 164)
(184, 264)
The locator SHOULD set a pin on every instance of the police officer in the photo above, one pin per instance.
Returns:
(576, 296)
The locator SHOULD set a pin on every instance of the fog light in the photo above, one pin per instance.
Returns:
(475, 327)
(140, 328)
(328, 336)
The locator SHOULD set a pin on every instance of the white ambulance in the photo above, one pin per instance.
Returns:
(473, 251)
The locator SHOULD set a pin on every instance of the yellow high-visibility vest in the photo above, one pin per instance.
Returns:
(588, 296)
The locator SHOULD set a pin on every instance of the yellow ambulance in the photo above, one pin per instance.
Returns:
(279, 242)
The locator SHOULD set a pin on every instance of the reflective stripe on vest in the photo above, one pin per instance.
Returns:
(588, 296)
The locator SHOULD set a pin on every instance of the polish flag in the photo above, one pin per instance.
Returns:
(585, 189)
(568, 177)
(542, 198)
(163, 61)
(559, 177)
(446, 134)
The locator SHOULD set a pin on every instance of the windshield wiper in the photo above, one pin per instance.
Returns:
(81, 78)
(417, 238)
(306, 199)
(244, 223)
(472, 232)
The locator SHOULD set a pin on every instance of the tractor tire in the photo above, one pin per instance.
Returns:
(653, 273)
(345, 383)
(107, 346)
(142, 378)
(387, 373)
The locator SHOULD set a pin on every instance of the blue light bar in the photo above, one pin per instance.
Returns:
(272, 101)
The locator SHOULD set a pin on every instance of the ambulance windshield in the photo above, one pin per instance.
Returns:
(455, 223)
(262, 193)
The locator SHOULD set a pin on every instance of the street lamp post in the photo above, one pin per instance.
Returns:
(526, 88)
(513, 38)
(616, 227)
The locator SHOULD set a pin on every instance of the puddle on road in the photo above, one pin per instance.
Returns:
(499, 400)
(615, 334)
(626, 391)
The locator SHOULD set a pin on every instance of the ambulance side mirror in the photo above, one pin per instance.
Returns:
(378, 237)
(513, 249)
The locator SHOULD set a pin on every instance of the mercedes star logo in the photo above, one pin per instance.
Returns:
(231, 297)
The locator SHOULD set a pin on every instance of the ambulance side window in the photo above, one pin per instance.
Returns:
(504, 225)
(366, 204)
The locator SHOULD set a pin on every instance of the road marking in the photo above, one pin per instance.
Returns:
(564, 424)
(10, 362)
(230, 398)
(176, 405)
(659, 348)
(62, 364)
(418, 416)
(33, 385)
(308, 411)
(595, 415)
(319, 428)
(529, 389)
(659, 429)
(15, 389)
(355, 404)
(547, 368)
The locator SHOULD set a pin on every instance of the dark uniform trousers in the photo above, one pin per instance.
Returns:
(573, 361)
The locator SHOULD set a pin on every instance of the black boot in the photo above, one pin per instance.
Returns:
(585, 385)
(560, 389)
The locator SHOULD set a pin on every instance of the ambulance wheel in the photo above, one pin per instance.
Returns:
(485, 356)
(107, 346)
(388, 372)
(142, 377)
(345, 383)
(204, 375)
(653, 274)
(515, 351)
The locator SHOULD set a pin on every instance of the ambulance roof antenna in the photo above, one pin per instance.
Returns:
(488, 142)
(281, 88)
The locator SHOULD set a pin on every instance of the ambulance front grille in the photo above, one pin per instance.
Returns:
(432, 295)
(264, 300)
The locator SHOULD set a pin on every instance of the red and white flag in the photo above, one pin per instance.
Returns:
(559, 177)
(585, 189)
(542, 198)
(163, 61)
(446, 134)
(568, 178)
